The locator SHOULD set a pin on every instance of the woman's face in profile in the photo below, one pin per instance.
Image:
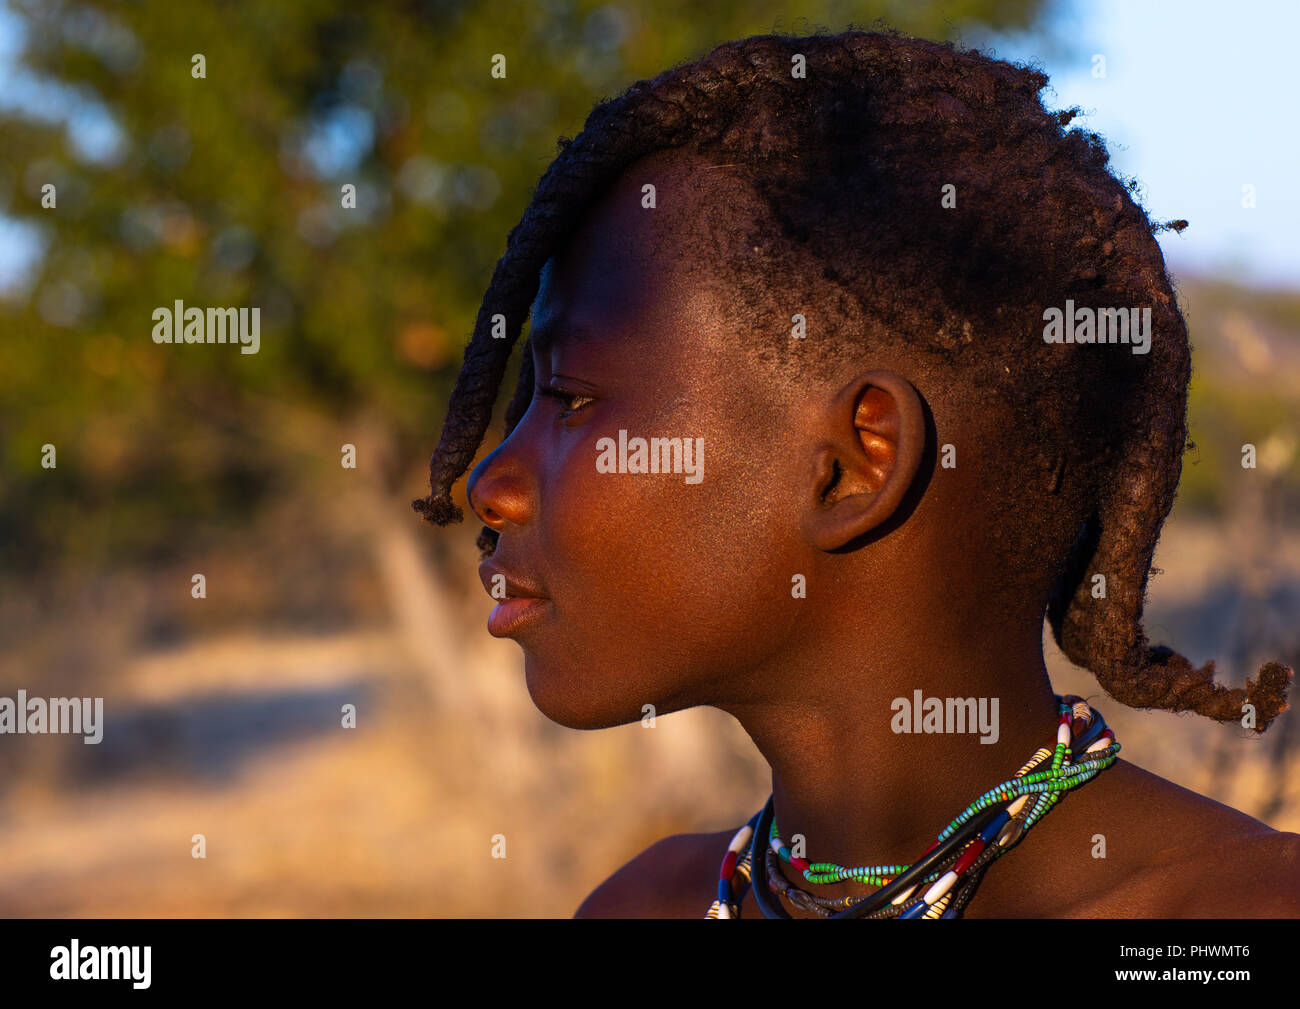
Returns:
(657, 587)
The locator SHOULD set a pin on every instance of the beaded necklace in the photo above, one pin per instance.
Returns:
(952, 867)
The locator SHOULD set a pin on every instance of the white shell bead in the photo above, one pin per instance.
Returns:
(940, 887)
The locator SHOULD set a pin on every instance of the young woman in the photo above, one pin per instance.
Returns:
(813, 427)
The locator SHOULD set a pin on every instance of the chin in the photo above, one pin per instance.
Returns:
(573, 698)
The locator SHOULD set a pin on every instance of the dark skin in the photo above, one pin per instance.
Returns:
(673, 594)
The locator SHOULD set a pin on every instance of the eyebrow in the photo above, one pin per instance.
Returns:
(555, 330)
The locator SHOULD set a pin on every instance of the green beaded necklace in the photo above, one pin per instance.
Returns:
(981, 833)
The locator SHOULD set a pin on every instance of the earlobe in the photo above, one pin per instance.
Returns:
(866, 462)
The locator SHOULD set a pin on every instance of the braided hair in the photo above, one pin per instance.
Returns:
(876, 127)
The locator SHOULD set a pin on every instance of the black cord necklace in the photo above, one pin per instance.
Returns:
(874, 902)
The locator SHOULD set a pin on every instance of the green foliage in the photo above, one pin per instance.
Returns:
(1223, 418)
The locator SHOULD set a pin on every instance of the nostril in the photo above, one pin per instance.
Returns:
(474, 492)
(501, 498)
(489, 516)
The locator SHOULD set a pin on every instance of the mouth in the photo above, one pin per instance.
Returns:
(513, 614)
(524, 603)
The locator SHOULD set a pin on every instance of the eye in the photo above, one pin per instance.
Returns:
(575, 401)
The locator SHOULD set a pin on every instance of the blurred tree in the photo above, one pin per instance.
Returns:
(227, 190)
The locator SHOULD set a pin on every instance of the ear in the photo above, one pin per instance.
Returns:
(868, 456)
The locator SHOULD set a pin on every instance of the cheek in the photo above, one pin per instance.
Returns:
(693, 577)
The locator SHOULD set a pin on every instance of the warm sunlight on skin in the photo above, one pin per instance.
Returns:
(662, 593)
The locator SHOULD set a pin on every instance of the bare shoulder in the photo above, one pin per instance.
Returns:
(676, 877)
(1252, 875)
(1192, 857)
(1230, 865)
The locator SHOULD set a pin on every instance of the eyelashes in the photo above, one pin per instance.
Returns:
(573, 400)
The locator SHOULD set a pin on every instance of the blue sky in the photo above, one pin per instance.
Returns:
(1195, 103)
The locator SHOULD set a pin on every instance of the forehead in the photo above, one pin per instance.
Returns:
(632, 269)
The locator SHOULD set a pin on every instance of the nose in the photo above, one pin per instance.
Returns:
(498, 493)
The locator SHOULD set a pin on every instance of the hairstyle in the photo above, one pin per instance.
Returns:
(850, 161)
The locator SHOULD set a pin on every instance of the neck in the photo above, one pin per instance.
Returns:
(859, 791)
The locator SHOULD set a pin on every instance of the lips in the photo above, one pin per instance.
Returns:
(524, 604)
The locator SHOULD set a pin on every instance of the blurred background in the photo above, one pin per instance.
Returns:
(323, 588)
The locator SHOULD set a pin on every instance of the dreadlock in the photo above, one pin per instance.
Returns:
(879, 124)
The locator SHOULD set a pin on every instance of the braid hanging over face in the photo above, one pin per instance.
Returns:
(878, 125)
